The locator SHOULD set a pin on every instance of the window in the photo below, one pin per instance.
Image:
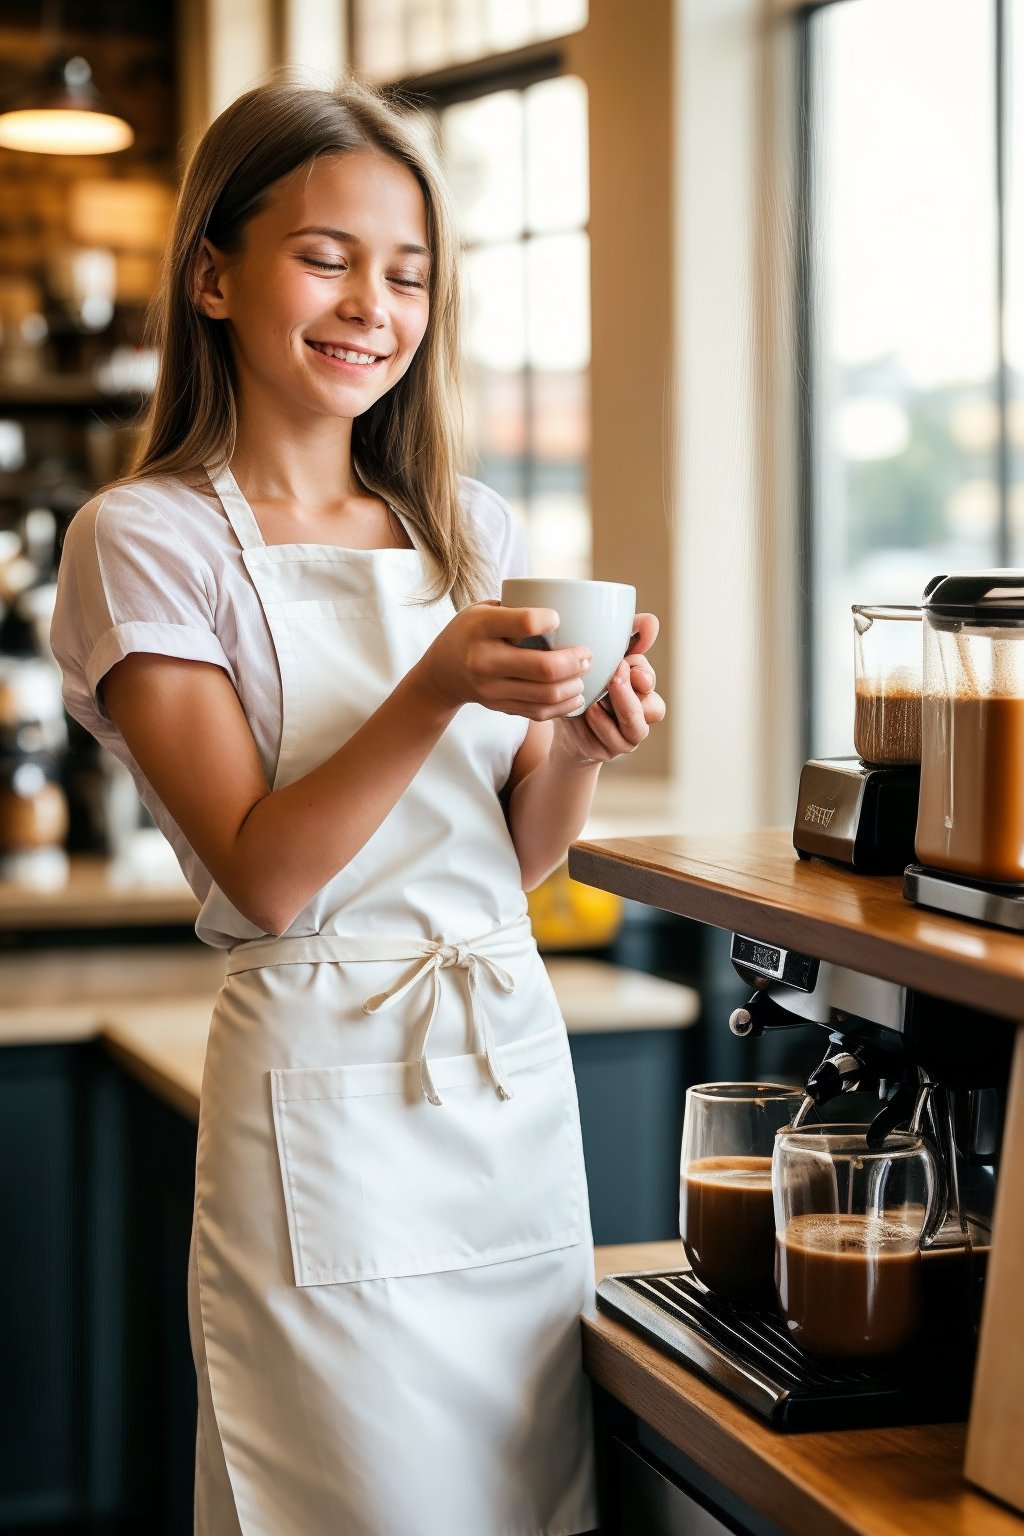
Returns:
(913, 393)
(518, 165)
(395, 39)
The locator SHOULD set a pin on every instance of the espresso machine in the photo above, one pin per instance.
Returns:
(929, 1066)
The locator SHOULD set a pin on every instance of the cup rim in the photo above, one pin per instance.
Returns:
(745, 1093)
(847, 1138)
(565, 581)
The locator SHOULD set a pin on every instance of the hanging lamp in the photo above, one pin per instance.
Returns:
(64, 114)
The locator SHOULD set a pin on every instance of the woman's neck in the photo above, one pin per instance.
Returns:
(308, 463)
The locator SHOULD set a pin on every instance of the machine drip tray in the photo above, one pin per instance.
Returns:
(749, 1355)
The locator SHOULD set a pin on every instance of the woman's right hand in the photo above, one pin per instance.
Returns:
(476, 660)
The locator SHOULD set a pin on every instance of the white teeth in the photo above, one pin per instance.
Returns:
(344, 355)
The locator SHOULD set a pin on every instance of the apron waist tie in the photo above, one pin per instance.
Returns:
(436, 955)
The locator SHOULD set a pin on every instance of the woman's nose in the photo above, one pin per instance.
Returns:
(362, 301)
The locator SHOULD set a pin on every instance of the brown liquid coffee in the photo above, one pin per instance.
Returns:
(952, 1285)
(728, 1225)
(848, 1286)
(887, 726)
(971, 815)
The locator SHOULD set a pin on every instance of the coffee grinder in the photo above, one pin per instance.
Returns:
(933, 1067)
(861, 811)
(970, 825)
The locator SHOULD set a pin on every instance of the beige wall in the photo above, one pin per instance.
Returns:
(735, 732)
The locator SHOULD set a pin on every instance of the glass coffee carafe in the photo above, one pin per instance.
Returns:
(726, 1218)
(849, 1221)
(887, 700)
(971, 812)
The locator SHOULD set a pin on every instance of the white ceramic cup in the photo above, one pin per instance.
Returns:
(595, 614)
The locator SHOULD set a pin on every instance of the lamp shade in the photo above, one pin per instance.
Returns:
(64, 114)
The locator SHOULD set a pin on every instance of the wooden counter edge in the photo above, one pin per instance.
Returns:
(175, 1089)
(617, 1361)
(641, 870)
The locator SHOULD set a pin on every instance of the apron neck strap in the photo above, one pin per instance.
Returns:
(239, 513)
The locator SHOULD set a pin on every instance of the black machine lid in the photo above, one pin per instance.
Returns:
(977, 597)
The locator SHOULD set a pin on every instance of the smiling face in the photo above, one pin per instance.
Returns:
(327, 300)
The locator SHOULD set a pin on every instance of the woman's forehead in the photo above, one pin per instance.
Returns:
(335, 191)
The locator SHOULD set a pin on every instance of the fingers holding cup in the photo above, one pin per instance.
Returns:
(595, 615)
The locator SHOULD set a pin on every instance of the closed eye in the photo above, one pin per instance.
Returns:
(324, 266)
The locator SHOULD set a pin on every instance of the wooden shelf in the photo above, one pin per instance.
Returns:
(60, 391)
(754, 883)
(866, 1482)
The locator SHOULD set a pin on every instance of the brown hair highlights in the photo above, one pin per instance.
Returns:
(407, 446)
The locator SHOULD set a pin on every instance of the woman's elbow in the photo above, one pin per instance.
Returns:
(533, 875)
(266, 909)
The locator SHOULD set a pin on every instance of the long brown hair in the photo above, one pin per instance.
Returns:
(406, 447)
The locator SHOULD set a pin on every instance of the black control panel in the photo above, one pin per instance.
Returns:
(756, 960)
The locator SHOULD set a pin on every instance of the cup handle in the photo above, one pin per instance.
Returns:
(938, 1203)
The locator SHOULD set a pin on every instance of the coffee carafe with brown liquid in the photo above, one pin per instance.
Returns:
(970, 824)
(861, 811)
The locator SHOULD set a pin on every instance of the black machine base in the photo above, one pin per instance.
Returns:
(1000, 905)
(749, 1355)
(858, 814)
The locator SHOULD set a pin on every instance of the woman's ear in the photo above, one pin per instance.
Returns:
(207, 291)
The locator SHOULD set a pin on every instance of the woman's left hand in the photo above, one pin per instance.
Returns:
(619, 722)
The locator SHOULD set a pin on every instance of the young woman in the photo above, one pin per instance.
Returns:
(284, 624)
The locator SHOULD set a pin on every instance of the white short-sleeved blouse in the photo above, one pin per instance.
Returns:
(155, 567)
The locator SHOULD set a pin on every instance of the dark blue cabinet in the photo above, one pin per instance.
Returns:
(43, 1110)
(97, 1395)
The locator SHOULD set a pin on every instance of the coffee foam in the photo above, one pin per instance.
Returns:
(730, 1172)
(847, 1234)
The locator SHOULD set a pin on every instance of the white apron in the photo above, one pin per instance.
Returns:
(391, 1244)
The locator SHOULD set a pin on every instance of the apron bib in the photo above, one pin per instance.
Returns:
(391, 1243)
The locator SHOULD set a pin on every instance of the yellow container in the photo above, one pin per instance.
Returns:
(568, 915)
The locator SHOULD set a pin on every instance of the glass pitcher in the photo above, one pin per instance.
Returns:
(887, 681)
(971, 812)
(849, 1224)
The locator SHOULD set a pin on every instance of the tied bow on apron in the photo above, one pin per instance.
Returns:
(436, 955)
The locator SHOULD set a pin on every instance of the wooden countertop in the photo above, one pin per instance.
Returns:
(93, 892)
(877, 1482)
(754, 883)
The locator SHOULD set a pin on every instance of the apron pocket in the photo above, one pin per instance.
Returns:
(378, 1183)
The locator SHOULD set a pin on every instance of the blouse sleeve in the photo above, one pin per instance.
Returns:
(128, 582)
